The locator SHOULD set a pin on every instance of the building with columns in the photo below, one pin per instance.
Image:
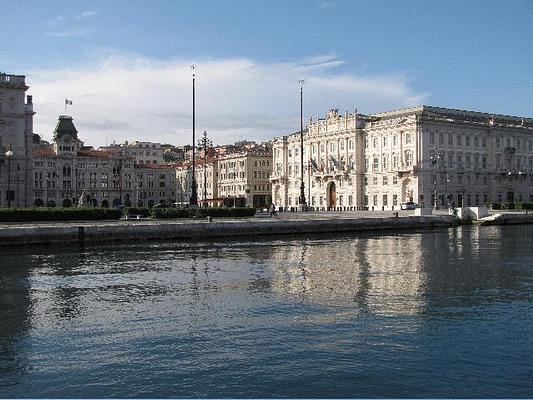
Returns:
(16, 136)
(429, 155)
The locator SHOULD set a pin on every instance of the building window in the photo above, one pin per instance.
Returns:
(385, 199)
(385, 163)
(385, 180)
(408, 158)
(408, 138)
(375, 165)
(375, 199)
(394, 199)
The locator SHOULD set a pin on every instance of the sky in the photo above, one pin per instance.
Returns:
(126, 64)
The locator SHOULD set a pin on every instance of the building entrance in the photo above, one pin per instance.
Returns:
(332, 195)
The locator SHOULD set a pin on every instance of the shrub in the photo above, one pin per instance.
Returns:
(165, 213)
(144, 212)
(507, 205)
(225, 212)
(524, 206)
(220, 212)
(58, 214)
(496, 206)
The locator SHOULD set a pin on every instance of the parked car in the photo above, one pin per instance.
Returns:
(410, 205)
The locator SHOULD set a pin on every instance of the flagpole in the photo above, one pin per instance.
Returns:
(302, 184)
(194, 194)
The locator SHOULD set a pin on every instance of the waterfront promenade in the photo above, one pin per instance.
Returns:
(260, 225)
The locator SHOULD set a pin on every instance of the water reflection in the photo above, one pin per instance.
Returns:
(15, 319)
(251, 318)
(383, 274)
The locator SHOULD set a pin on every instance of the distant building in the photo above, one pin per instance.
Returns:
(67, 171)
(148, 153)
(244, 177)
(16, 137)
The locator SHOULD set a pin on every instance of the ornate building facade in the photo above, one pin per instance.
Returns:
(16, 136)
(68, 171)
(429, 155)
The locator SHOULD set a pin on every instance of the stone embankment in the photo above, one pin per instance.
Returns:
(124, 230)
(137, 230)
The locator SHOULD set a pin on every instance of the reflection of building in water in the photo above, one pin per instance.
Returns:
(379, 274)
(15, 310)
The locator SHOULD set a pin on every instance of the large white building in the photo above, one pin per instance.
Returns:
(423, 154)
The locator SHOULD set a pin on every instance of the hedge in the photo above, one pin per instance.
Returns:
(495, 206)
(507, 205)
(57, 214)
(164, 213)
(524, 206)
(144, 212)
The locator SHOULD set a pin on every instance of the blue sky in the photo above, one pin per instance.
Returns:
(125, 63)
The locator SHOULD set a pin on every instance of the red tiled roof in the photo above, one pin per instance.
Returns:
(157, 166)
(43, 152)
(94, 153)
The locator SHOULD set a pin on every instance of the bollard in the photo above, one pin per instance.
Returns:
(396, 214)
(209, 220)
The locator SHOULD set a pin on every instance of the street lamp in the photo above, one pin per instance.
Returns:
(434, 156)
(302, 184)
(9, 154)
(205, 143)
(194, 195)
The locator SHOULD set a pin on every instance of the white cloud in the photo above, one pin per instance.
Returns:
(86, 14)
(130, 97)
(56, 20)
(69, 32)
(327, 4)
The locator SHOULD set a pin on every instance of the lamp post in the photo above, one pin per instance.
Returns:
(302, 184)
(434, 156)
(9, 154)
(205, 143)
(194, 195)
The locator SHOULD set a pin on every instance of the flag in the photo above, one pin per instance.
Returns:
(335, 162)
(68, 102)
(314, 165)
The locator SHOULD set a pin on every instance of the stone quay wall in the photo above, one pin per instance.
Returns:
(84, 232)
